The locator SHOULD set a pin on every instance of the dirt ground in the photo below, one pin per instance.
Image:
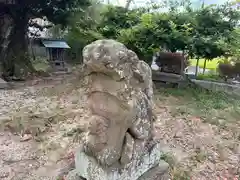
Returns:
(41, 125)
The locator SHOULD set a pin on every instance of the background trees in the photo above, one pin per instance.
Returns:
(21, 13)
(205, 32)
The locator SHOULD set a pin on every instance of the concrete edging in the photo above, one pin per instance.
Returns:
(217, 86)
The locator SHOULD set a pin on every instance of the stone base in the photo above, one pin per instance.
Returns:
(89, 169)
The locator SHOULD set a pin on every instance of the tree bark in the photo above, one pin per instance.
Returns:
(196, 71)
(4, 40)
(16, 58)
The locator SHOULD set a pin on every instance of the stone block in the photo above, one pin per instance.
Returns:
(89, 168)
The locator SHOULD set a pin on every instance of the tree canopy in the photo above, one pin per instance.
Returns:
(21, 13)
(206, 32)
(55, 11)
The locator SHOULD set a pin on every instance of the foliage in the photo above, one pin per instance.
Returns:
(77, 39)
(82, 30)
(207, 32)
(22, 14)
(55, 11)
(203, 103)
(208, 76)
(213, 27)
(228, 70)
(204, 33)
(115, 18)
(40, 64)
(154, 32)
(216, 108)
(234, 43)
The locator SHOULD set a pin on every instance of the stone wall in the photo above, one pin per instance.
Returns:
(217, 86)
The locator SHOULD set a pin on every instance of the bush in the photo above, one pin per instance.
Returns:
(237, 68)
(226, 70)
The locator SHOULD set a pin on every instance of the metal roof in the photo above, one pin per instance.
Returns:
(55, 44)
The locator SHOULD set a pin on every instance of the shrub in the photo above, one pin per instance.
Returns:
(237, 68)
(209, 76)
(228, 70)
(225, 70)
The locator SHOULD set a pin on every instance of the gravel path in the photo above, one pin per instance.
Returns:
(203, 150)
(21, 156)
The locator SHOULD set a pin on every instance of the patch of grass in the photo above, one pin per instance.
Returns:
(209, 77)
(169, 158)
(24, 121)
(201, 98)
(200, 155)
(213, 64)
(222, 152)
(176, 172)
(210, 106)
(76, 133)
(179, 110)
(41, 64)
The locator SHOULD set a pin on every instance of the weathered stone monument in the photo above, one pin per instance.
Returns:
(119, 142)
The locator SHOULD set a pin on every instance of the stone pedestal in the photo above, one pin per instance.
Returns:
(146, 167)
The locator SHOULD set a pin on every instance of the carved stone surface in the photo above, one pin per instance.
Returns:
(90, 169)
(118, 144)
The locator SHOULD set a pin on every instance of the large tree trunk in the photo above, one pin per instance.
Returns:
(5, 30)
(16, 60)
